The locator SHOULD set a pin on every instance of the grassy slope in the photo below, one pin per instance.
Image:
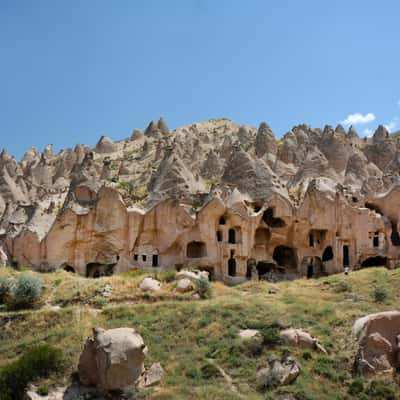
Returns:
(182, 333)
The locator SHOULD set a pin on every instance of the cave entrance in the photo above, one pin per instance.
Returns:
(394, 236)
(310, 271)
(154, 260)
(196, 250)
(285, 257)
(327, 255)
(346, 258)
(68, 268)
(231, 236)
(376, 261)
(232, 267)
(270, 220)
(263, 267)
(96, 270)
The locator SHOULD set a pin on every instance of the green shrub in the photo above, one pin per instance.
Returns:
(381, 391)
(5, 289)
(209, 371)
(380, 294)
(25, 292)
(271, 335)
(168, 276)
(37, 362)
(203, 288)
(342, 286)
(357, 386)
(327, 367)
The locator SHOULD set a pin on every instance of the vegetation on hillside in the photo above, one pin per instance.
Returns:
(197, 339)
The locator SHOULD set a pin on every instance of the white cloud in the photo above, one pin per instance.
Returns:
(358, 119)
(392, 125)
(368, 132)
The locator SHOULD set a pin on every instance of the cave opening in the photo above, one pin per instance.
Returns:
(68, 268)
(196, 250)
(232, 267)
(346, 257)
(376, 261)
(97, 270)
(394, 236)
(327, 255)
(270, 220)
(285, 257)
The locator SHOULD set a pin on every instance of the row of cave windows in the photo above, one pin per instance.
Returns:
(154, 260)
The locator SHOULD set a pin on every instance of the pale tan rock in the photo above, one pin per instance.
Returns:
(150, 285)
(184, 285)
(112, 359)
(378, 341)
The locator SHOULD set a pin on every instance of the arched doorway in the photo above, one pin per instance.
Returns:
(232, 267)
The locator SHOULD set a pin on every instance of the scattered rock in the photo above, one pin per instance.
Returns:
(248, 333)
(152, 376)
(112, 359)
(278, 373)
(105, 291)
(302, 339)
(192, 275)
(184, 285)
(150, 285)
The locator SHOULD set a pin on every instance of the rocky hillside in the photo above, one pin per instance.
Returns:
(193, 164)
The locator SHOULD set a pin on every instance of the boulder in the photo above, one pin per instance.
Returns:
(278, 373)
(112, 359)
(378, 342)
(150, 285)
(152, 376)
(300, 338)
(184, 285)
(192, 275)
(248, 333)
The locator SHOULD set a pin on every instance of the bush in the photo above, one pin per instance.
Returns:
(327, 367)
(357, 386)
(380, 294)
(26, 291)
(209, 371)
(168, 276)
(5, 289)
(203, 288)
(381, 391)
(342, 286)
(271, 335)
(38, 362)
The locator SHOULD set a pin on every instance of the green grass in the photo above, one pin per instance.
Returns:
(184, 334)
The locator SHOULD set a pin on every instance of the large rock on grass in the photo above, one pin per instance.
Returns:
(112, 359)
(378, 342)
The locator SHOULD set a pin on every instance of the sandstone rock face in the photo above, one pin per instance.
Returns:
(215, 196)
(112, 359)
(379, 342)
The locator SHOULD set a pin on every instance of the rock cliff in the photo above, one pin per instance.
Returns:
(214, 195)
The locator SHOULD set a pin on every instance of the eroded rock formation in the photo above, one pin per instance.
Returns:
(232, 200)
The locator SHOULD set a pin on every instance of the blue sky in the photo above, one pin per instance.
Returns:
(71, 71)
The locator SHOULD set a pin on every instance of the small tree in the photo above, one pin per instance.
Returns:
(203, 288)
(26, 291)
(5, 289)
